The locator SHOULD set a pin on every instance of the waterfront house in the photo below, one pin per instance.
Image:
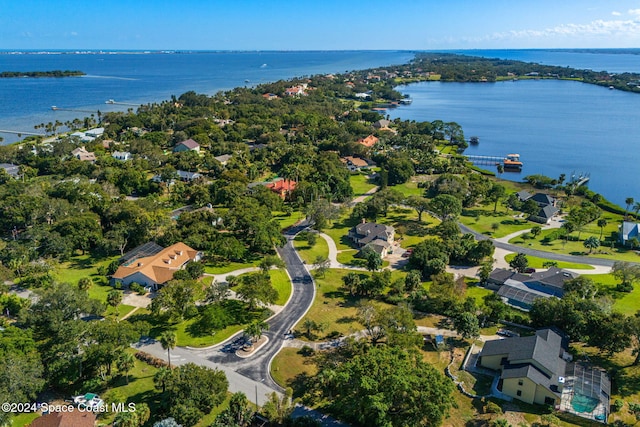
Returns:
(282, 187)
(378, 237)
(369, 141)
(82, 154)
(628, 231)
(152, 265)
(11, 169)
(270, 96)
(545, 202)
(188, 145)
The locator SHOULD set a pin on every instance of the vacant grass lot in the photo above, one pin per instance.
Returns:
(483, 220)
(361, 183)
(333, 307)
(290, 367)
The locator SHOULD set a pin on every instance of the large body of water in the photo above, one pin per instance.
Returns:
(557, 127)
(143, 78)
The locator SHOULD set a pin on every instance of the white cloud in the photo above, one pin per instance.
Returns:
(627, 28)
(74, 34)
(634, 12)
(616, 13)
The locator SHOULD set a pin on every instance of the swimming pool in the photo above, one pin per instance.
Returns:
(584, 404)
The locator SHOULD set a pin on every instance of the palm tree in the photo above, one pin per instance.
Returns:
(591, 243)
(125, 363)
(161, 377)
(168, 341)
(255, 329)
(602, 223)
(629, 201)
(636, 208)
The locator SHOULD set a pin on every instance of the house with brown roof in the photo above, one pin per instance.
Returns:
(355, 164)
(66, 419)
(154, 267)
(369, 141)
(282, 187)
(269, 96)
(82, 154)
(188, 145)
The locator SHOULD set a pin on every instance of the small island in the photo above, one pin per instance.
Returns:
(54, 73)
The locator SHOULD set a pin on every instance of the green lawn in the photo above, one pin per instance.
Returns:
(310, 253)
(80, 266)
(186, 338)
(575, 247)
(339, 230)
(477, 293)
(482, 220)
(360, 184)
(348, 257)
(280, 280)
(536, 262)
(627, 303)
(287, 221)
(289, 367)
(228, 266)
(409, 188)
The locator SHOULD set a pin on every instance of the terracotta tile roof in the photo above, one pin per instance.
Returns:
(65, 419)
(369, 141)
(282, 186)
(159, 267)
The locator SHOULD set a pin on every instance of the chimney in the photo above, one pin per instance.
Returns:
(364, 221)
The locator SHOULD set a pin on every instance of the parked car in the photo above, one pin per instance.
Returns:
(407, 253)
(529, 270)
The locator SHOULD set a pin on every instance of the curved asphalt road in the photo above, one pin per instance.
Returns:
(539, 253)
(257, 365)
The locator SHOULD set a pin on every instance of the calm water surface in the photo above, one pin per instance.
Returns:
(143, 78)
(556, 126)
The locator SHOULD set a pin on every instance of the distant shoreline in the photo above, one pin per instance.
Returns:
(39, 74)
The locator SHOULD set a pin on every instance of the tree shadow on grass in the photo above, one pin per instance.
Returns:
(299, 384)
(346, 320)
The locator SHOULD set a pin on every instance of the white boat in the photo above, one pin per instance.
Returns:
(110, 101)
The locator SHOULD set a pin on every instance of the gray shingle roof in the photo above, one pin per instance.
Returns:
(537, 357)
(554, 277)
(370, 231)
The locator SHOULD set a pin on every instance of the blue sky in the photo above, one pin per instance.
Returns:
(318, 25)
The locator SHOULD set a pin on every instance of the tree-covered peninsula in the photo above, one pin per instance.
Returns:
(54, 73)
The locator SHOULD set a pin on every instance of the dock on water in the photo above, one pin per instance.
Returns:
(509, 162)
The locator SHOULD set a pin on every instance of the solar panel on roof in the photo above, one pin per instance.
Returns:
(144, 250)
